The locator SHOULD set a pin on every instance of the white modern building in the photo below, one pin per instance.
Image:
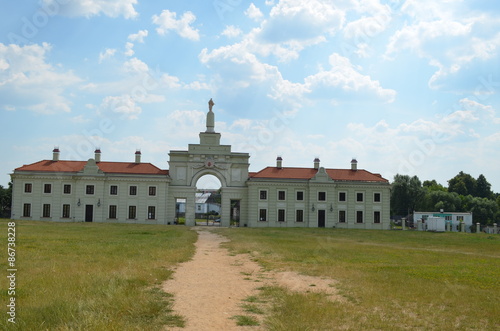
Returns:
(137, 192)
(453, 219)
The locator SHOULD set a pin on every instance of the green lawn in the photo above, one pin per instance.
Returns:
(90, 276)
(391, 280)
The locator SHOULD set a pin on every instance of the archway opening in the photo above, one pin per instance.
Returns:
(208, 207)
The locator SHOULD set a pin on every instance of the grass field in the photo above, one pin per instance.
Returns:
(390, 280)
(89, 276)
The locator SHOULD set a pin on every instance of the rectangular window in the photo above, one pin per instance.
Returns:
(113, 190)
(447, 218)
(66, 211)
(359, 216)
(112, 211)
(263, 195)
(89, 189)
(27, 210)
(133, 190)
(460, 218)
(46, 210)
(132, 212)
(376, 197)
(151, 212)
(376, 217)
(299, 215)
(281, 215)
(263, 215)
(281, 195)
(342, 217)
(342, 196)
(152, 190)
(359, 197)
(47, 188)
(28, 187)
(321, 196)
(67, 189)
(300, 195)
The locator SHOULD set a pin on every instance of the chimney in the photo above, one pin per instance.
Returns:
(279, 162)
(316, 163)
(138, 156)
(55, 154)
(354, 164)
(97, 157)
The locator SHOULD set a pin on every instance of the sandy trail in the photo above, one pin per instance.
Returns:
(209, 289)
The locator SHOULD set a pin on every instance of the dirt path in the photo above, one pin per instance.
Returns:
(209, 289)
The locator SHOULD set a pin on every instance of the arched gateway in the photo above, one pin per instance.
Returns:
(212, 158)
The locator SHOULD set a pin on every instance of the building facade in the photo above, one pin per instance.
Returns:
(137, 192)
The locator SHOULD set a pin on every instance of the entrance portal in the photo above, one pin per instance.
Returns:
(321, 218)
(208, 202)
(89, 213)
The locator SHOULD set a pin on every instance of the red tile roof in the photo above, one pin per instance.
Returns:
(106, 167)
(308, 173)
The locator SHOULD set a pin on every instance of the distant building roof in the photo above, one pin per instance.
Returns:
(106, 167)
(308, 173)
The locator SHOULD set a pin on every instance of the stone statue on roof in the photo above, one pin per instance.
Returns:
(210, 104)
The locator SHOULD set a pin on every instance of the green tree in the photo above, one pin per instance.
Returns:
(5, 200)
(437, 200)
(483, 188)
(483, 210)
(432, 185)
(406, 194)
(463, 184)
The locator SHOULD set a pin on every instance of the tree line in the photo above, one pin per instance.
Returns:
(463, 194)
(5, 200)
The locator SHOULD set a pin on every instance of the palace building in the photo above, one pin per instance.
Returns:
(137, 192)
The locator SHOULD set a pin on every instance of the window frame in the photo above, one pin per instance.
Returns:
(375, 194)
(113, 189)
(344, 194)
(324, 198)
(261, 193)
(66, 211)
(132, 211)
(132, 190)
(27, 210)
(112, 211)
(90, 189)
(46, 210)
(151, 215)
(279, 193)
(377, 217)
(260, 214)
(358, 194)
(67, 188)
(301, 218)
(281, 215)
(28, 188)
(297, 195)
(152, 191)
(358, 213)
(47, 188)
(342, 220)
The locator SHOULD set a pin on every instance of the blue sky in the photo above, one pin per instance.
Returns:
(410, 87)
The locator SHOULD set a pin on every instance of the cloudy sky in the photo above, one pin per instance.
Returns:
(410, 87)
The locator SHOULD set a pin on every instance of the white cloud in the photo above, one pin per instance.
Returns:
(167, 21)
(88, 8)
(108, 53)
(129, 49)
(253, 12)
(231, 31)
(123, 105)
(134, 65)
(29, 82)
(346, 76)
(139, 36)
